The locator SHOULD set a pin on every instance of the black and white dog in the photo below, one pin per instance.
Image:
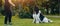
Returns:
(38, 17)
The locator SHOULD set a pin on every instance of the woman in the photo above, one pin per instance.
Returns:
(8, 13)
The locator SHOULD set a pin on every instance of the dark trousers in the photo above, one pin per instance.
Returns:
(8, 16)
(8, 13)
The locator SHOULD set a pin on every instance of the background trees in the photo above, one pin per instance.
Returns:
(24, 8)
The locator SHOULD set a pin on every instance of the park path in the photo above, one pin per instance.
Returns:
(57, 16)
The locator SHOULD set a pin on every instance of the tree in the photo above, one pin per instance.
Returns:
(53, 5)
(0, 3)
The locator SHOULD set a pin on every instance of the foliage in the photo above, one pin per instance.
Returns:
(26, 8)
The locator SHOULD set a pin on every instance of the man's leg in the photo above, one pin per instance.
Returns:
(10, 16)
(6, 19)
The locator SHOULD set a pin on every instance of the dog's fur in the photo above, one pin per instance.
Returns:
(40, 18)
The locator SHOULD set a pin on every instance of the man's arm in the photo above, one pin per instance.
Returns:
(11, 2)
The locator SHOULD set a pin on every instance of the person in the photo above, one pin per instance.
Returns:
(8, 13)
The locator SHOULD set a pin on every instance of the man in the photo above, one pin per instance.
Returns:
(8, 13)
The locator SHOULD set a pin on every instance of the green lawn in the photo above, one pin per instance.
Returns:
(28, 22)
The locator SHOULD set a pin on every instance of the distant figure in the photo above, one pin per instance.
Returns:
(8, 13)
(38, 17)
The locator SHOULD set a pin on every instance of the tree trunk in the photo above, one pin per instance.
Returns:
(0, 3)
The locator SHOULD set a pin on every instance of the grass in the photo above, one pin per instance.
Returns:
(28, 22)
